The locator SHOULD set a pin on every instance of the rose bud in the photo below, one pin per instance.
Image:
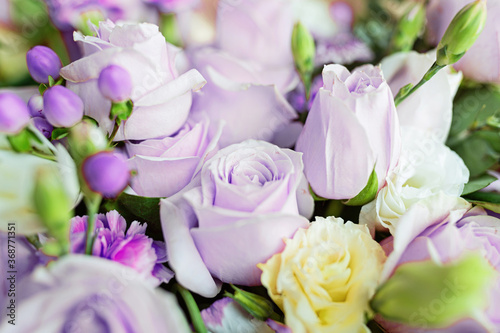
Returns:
(106, 174)
(62, 107)
(35, 105)
(14, 113)
(462, 33)
(42, 63)
(43, 126)
(115, 83)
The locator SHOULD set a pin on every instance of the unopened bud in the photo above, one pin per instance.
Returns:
(53, 204)
(62, 107)
(462, 33)
(256, 305)
(14, 113)
(43, 62)
(303, 50)
(409, 28)
(416, 287)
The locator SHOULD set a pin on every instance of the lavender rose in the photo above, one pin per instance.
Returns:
(249, 70)
(442, 229)
(352, 129)
(93, 295)
(481, 61)
(165, 166)
(162, 97)
(235, 215)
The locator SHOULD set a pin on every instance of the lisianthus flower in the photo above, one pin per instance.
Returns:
(325, 277)
(131, 248)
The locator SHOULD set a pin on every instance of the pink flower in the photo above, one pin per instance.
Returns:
(133, 248)
(161, 96)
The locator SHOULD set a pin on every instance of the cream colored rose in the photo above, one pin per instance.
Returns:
(326, 275)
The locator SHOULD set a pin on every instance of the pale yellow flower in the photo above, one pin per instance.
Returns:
(325, 277)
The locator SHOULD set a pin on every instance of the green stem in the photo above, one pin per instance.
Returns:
(45, 156)
(92, 209)
(194, 311)
(115, 130)
(428, 75)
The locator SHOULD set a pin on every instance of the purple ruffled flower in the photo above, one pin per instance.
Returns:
(129, 247)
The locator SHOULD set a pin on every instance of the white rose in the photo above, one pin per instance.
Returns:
(326, 275)
(430, 107)
(426, 168)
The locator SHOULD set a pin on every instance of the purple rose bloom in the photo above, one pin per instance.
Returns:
(132, 248)
(247, 198)
(444, 228)
(89, 294)
(165, 166)
(161, 95)
(482, 61)
(351, 130)
(249, 70)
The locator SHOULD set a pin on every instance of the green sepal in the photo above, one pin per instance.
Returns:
(367, 194)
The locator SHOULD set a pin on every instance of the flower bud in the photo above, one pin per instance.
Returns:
(256, 305)
(35, 105)
(462, 32)
(115, 83)
(43, 62)
(62, 107)
(85, 139)
(304, 51)
(459, 289)
(14, 113)
(409, 28)
(43, 126)
(53, 205)
(106, 173)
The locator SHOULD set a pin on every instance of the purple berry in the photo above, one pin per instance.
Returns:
(43, 62)
(115, 83)
(14, 113)
(106, 173)
(43, 126)
(35, 105)
(62, 107)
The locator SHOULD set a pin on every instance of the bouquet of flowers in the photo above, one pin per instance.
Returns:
(250, 166)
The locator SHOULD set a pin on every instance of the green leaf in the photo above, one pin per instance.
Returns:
(494, 207)
(367, 194)
(478, 183)
(479, 151)
(473, 107)
(145, 208)
(492, 197)
(52, 82)
(59, 133)
(20, 142)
